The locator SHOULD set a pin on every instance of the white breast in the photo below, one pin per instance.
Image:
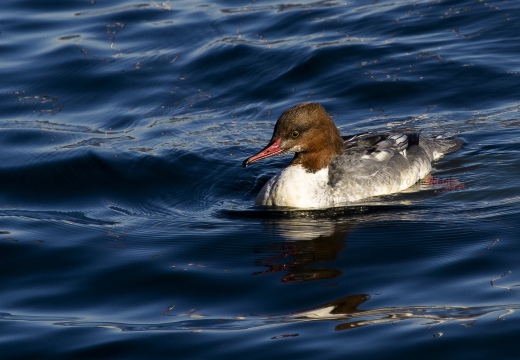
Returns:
(296, 187)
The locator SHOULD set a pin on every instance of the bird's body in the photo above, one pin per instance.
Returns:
(329, 170)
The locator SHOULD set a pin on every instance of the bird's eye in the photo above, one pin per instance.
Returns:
(295, 134)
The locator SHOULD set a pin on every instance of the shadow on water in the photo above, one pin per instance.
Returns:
(390, 204)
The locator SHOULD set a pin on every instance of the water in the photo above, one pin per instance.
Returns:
(127, 224)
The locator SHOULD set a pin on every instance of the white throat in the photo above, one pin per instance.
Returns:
(296, 187)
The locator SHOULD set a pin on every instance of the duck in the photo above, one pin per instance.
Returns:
(330, 170)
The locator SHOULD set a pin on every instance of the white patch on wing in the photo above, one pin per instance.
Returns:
(437, 155)
(381, 155)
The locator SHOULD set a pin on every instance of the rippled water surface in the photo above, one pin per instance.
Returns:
(127, 224)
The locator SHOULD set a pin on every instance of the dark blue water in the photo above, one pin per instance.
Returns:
(127, 224)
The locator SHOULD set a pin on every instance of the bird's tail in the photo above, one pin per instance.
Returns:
(447, 144)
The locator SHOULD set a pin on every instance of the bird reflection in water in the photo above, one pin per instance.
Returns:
(307, 253)
(310, 246)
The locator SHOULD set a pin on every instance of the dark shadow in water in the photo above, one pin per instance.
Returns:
(282, 213)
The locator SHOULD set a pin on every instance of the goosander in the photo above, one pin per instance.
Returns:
(329, 170)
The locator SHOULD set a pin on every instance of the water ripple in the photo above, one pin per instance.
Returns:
(343, 311)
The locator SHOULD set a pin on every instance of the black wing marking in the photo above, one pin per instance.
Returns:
(374, 143)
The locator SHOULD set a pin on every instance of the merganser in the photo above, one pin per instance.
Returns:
(329, 170)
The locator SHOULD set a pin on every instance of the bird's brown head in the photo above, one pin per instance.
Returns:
(306, 130)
